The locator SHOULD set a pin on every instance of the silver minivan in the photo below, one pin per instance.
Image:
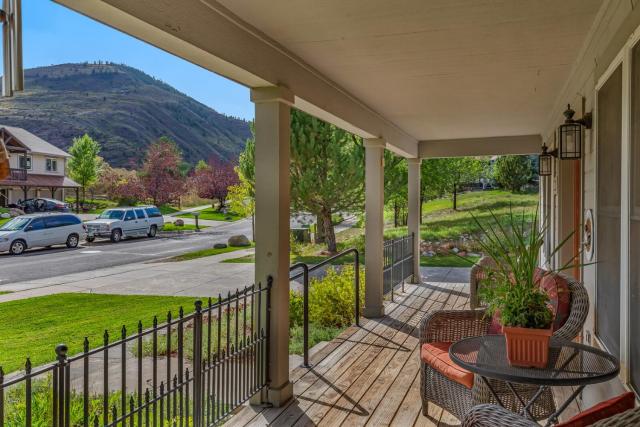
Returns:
(41, 230)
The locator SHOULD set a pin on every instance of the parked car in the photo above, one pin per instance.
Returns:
(41, 205)
(119, 223)
(41, 230)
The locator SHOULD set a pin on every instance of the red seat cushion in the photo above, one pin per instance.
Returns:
(436, 355)
(602, 410)
(557, 288)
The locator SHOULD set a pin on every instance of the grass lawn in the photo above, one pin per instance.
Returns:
(448, 261)
(168, 226)
(441, 222)
(167, 210)
(316, 334)
(207, 252)
(98, 204)
(3, 220)
(213, 215)
(33, 327)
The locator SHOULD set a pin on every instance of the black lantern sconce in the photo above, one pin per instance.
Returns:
(570, 134)
(545, 160)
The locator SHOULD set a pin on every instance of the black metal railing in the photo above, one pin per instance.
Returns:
(17, 174)
(211, 361)
(304, 274)
(398, 262)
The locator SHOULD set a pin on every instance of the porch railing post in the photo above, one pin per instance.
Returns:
(60, 387)
(357, 279)
(197, 365)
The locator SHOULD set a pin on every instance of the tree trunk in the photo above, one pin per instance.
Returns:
(421, 203)
(329, 232)
(320, 235)
(455, 198)
(395, 214)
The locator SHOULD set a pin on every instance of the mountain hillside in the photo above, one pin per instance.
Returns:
(122, 108)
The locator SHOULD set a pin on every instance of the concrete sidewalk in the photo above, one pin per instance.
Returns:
(200, 278)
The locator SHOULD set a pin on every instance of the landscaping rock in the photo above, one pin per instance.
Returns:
(5, 216)
(178, 223)
(220, 246)
(14, 212)
(239, 240)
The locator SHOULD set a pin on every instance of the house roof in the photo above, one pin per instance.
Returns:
(34, 143)
(42, 181)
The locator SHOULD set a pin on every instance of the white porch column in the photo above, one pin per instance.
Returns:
(413, 216)
(272, 127)
(374, 226)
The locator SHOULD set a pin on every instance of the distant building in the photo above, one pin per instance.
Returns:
(36, 168)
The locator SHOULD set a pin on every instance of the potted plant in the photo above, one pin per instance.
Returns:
(512, 287)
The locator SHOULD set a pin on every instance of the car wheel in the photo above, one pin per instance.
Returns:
(116, 236)
(72, 241)
(18, 247)
(90, 239)
(153, 231)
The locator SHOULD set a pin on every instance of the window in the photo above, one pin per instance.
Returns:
(609, 128)
(153, 212)
(37, 224)
(61, 221)
(129, 216)
(140, 213)
(52, 165)
(24, 162)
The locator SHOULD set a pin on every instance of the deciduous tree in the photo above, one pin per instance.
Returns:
(213, 182)
(161, 176)
(447, 175)
(84, 162)
(512, 172)
(395, 186)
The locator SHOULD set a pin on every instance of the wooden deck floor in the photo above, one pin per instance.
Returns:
(368, 375)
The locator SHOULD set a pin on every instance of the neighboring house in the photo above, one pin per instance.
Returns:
(36, 168)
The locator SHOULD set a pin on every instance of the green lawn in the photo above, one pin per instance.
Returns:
(213, 215)
(3, 220)
(448, 261)
(206, 252)
(33, 327)
(440, 221)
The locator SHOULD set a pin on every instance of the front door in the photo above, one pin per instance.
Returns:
(130, 226)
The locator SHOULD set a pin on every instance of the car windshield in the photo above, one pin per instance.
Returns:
(15, 224)
(112, 214)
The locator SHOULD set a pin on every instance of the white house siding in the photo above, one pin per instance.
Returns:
(616, 21)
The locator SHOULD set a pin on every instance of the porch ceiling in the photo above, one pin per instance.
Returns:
(409, 71)
(439, 69)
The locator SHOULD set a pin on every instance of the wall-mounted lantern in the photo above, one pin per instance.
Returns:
(545, 160)
(570, 134)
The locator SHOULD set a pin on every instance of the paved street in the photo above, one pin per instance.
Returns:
(48, 263)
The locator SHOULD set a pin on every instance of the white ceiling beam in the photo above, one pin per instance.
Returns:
(207, 34)
(491, 146)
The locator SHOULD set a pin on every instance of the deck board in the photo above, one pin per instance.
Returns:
(369, 375)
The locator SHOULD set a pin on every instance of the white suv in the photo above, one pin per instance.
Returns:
(41, 230)
(119, 223)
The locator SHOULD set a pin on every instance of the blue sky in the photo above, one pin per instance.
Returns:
(54, 34)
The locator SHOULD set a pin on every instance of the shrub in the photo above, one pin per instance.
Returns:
(331, 299)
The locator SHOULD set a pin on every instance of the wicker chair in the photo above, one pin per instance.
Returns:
(494, 416)
(475, 277)
(454, 325)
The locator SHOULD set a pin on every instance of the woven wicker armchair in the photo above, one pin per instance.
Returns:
(493, 416)
(454, 325)
(476, 275)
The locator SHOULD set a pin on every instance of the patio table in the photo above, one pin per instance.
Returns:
(570, 364)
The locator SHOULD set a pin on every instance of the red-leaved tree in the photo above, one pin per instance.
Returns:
(213, 182)
(160, 175)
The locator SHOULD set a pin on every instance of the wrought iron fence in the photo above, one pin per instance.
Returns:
(398, 262)
(304, 274)
(193, 370)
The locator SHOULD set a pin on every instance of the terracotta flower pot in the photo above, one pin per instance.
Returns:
(527, 347)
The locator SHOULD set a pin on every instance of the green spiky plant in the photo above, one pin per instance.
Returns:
(512, 286)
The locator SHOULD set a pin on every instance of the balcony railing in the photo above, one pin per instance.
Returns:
(17, 174)
(398, 262)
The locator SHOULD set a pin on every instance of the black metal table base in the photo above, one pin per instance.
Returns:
(553, 418)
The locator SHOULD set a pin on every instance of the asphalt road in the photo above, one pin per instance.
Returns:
(57, 261)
